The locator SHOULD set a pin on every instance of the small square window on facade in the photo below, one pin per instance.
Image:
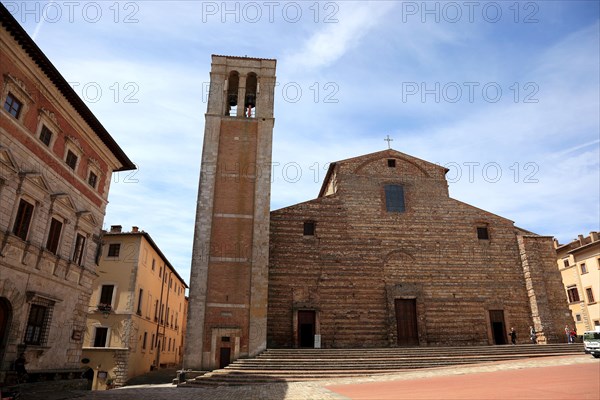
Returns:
(391, 163)
(578, 317)
(483, 233)
(46, 135)
(394, 198)
(71, 159)
(114, 249)
(566, 262)
(309, 228)
(12, 105)
(93, 179)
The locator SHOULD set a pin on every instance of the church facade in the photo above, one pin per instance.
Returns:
(382, 257)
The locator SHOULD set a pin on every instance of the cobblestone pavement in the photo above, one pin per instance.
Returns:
(313, 389)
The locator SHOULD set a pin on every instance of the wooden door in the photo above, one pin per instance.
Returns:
(406, 321)
(306, 328)
(224, 357)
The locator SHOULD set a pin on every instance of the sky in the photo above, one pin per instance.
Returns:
(505, 94)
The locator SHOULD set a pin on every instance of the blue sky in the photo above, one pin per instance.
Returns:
(504, 94)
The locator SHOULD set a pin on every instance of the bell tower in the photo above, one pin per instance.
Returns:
(227, 316)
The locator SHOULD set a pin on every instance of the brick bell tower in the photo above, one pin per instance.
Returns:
(227, 316)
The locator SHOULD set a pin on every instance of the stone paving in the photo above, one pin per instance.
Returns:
(312, 389)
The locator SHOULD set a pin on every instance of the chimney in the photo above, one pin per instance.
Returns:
(115, 228)
(581, 240)
(135, 229)
(594, 236)
(556, 244)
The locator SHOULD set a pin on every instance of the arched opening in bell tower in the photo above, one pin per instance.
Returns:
(250, 97)
(232, 94)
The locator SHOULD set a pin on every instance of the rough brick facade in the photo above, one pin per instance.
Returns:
(362, 260)
(228, 284)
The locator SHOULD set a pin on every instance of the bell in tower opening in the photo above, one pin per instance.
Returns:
(251, 92)
(232, 94)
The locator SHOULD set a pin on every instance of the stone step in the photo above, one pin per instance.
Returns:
(286, 365)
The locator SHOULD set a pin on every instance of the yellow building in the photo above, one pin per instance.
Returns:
(137, 310)
(579, 265)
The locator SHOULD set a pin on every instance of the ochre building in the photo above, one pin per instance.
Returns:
(56, 162)
(136, 315)
(579, 266)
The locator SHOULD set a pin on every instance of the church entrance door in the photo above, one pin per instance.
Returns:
(406, 320)
(498, 328)
(224, 357)
(306, 328)
(5, 314)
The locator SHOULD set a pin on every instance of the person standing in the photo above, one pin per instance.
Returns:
(533, 335)
(513, 335)
(568, 333)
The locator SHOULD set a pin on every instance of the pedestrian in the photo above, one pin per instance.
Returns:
(568, 333)
(533, 335)
(573, 335)
(513, 335)
(20, 368)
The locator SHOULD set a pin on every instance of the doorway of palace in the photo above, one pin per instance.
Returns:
(306, 328)
(406, 321)
(5, 315)
(498, 327)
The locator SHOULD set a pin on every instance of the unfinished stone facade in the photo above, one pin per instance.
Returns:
(228, 284)
(56, 162)
(384, 257)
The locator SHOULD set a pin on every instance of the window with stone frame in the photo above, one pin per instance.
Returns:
(100, 336)
(71, 159)
(93, 179)
(106, 294)
(573, 294)
(114, 249)
(144, 340)
(583, 268)
(394, 198)
(46, 135)
(79, 249)
(23, 219)
(140, 297)
(566, 262)
(13, 105)
(589, 292)
(38, 322)
(54, 236)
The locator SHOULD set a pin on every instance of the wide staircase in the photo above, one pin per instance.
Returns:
(280, 365)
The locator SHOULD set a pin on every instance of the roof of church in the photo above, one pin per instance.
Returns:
(37, 55)
(245, 57)
(378, 154)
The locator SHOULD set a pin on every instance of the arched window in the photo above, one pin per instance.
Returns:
(232, 94)
(250, 98)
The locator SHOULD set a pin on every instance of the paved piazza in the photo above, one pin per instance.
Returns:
(317, 390)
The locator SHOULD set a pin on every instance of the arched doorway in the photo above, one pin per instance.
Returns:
(5, 317)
